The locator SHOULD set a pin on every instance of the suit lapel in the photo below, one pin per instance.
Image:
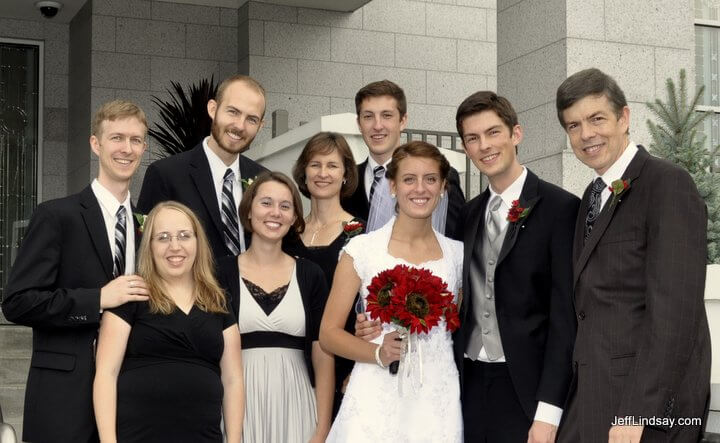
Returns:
(202, 177)
(95, 224)
(362, 192)
(138, 234)
(247, 171)
(528, 199)
(603, 221)
(580, 224)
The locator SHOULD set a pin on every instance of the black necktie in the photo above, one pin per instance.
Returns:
(120, 234)
(377, 175)
(228, 214)
(594, 206)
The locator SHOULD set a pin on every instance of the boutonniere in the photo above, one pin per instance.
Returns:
(351, 229)
(618, 188)
(140, 218)
(246, 182)
(517, 212)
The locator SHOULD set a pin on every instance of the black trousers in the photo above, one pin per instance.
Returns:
(491, 410)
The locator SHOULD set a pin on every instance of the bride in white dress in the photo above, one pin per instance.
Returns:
(427, 406)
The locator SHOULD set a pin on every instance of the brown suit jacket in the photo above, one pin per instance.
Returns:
(643, 344)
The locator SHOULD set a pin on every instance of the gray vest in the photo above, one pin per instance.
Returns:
(482, 286)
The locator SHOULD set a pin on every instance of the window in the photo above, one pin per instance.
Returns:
(20, 146)
(707, 66)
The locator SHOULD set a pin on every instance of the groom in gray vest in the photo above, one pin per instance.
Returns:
(514, 347)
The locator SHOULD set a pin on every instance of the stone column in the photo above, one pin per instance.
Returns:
(541, 42)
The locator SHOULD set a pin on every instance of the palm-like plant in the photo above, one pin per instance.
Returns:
(184, 120)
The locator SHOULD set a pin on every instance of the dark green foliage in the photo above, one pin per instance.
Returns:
(676, 139)
(184, 120)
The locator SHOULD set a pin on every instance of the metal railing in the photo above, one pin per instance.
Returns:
(438, 138)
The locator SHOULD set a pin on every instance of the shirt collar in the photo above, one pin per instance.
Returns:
(372, 164)
(217, 166)
(513, 191)
(107, 200)
(618, 168)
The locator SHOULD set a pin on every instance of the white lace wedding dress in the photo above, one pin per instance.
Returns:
(428, 409)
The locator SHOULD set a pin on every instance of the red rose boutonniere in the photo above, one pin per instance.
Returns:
(618, 188)
(517, 212)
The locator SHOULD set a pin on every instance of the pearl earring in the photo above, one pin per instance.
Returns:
(392, 195)
(344, 181)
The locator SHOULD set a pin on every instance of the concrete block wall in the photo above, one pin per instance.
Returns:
(640, 46)
(312, 62)
(140, 46)
(541, 42)
(55, 113)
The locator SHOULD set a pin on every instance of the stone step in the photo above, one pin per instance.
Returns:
(15, 352)
(15, 341)
(14, 371)
(12, 399)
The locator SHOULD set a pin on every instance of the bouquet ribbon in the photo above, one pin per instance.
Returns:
(410, 362)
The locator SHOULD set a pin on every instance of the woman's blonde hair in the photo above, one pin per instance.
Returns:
(208, 295)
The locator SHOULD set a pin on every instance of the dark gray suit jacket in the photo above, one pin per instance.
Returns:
(643, 345)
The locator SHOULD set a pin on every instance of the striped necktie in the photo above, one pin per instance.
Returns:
(378, 172)
(594, 206)
(120, 235)
(228, 214)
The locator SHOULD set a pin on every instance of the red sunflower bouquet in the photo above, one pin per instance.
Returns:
(413, 299)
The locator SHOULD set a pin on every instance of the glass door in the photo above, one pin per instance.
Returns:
(20, 102)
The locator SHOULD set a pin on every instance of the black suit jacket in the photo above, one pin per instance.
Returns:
(186, 178)
(54, 287)
(643, 344)
(357, 203)
(533, 292)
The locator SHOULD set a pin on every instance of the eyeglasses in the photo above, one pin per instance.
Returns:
(182, 237)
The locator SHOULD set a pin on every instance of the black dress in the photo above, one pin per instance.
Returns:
(327, 258)
(169, 386)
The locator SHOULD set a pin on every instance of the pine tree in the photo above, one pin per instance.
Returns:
(676, 139)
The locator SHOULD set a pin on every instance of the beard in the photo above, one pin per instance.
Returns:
(238, 147)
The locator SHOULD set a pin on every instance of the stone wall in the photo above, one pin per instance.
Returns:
(541, 42)
(55, 38)
(312, 62)
(140, 46)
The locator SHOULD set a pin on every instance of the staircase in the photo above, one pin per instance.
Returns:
(15, 349)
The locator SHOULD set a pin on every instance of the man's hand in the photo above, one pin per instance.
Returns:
(392, 348)
(366, 329)
(122, 290)
(541, 432)
(625, 434)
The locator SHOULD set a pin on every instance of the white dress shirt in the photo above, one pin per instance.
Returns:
(616, 171)
(109, 206)
(217, 170)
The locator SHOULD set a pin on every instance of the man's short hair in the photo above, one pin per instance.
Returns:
(116, 110)
(249, 81)
(379, 89)
(588, 82)
(486, 101)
